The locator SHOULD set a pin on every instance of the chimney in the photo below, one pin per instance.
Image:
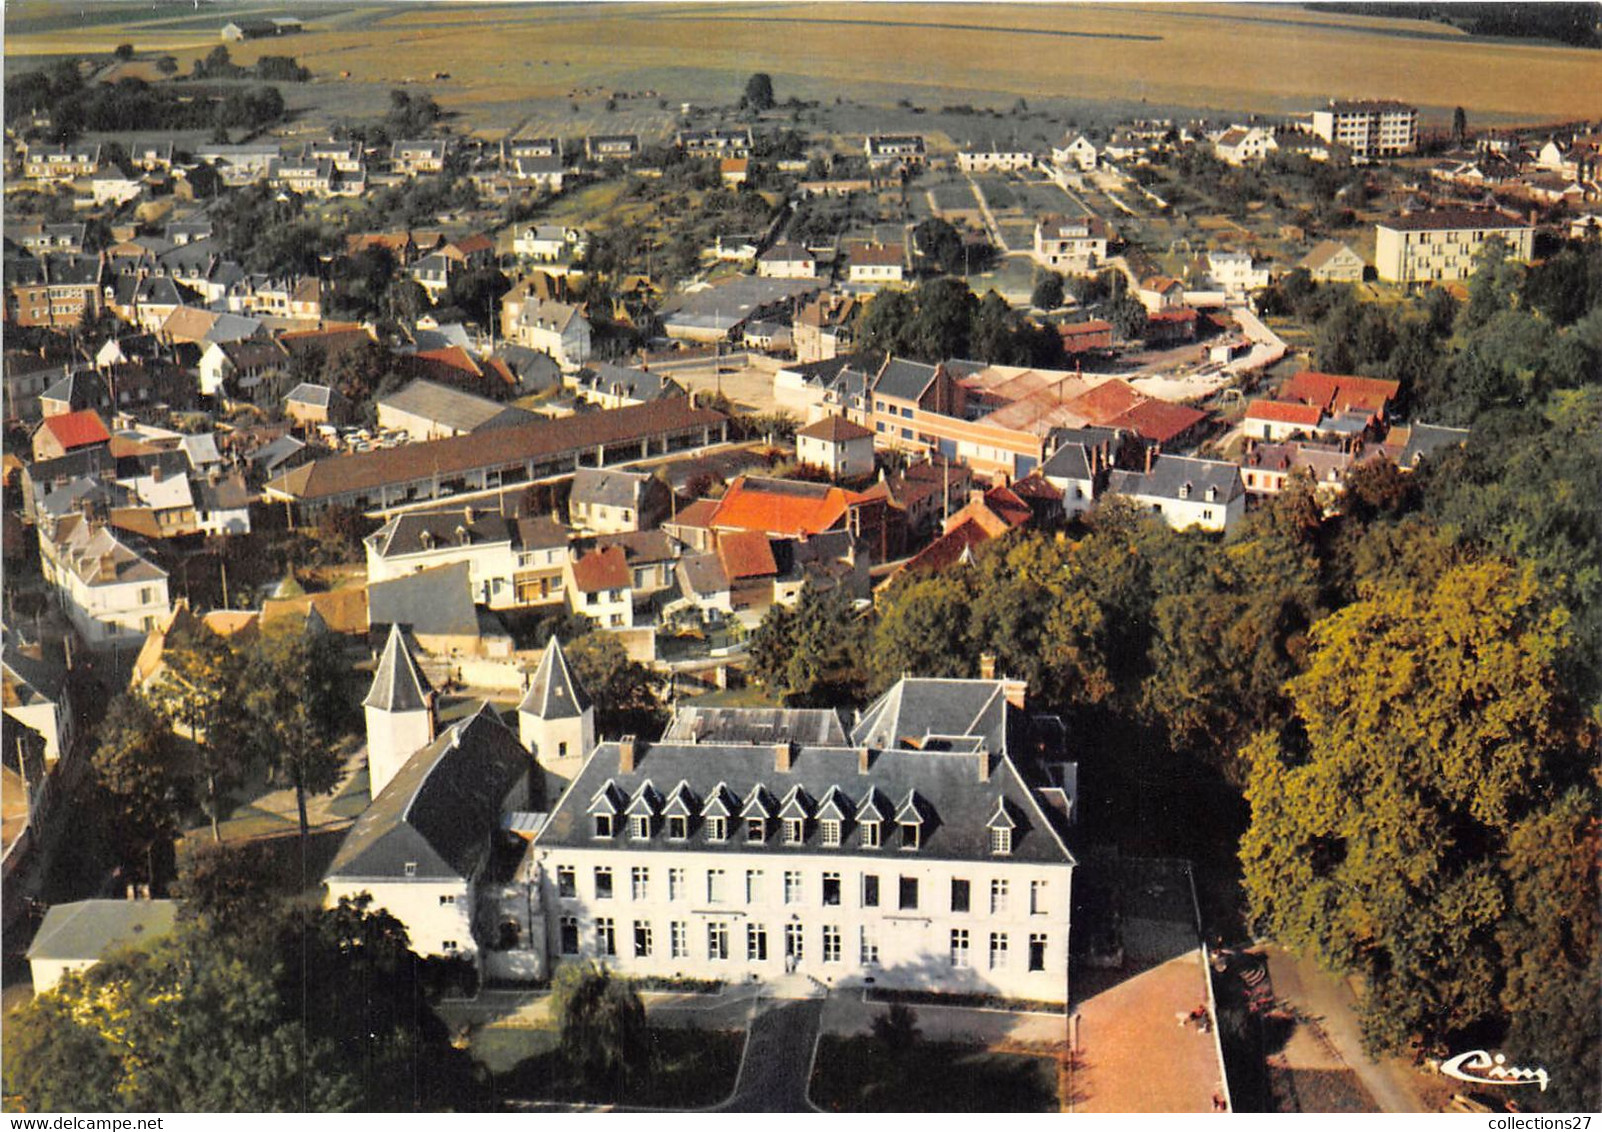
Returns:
(1151, 450)
(783, 756)
(984, 766)
(987, 666)
(1015, 691)
(625, 755)
(864, 760)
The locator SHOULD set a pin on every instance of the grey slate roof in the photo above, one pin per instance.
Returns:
(309, 393)
(904, 379)
(809, 727)
(1170, 476)
(639, 384)
(440, 810)
(703, 575)
(541, 533)
(1425, 439)
(554, 693)
(603, 487)
(88, 929)
(916, 709)
(436, 602)
(456, 410)
(414, 531)
(954, 805)
(398, 685)
(1071, 460)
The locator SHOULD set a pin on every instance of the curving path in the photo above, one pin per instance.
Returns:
(778, 1059)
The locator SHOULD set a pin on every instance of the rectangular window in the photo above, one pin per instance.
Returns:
(678, 935)
(603, 883)
(640, 827)
(756, 943)
(792, 888)
(756, 829)
(870, 891)
(1037, 898)
(717, 940)
(566, 881)
(675, 884)
(794, 831)
(909, 835)
(1000, 841)
(678, 828)
(868, 947)
(569, 935)
(714, 886)
(959, 895)
(753, 885)
(639, 883)
(1037, 952)
(642, 939)
(605, 937)
(717, 829)
(870, 835)
(830, 833)
(831, 888)
(909, 894)
(959, 947)
(998, 896)
(998, 950)
(831, 943)
(603, 825)
(794, 947)
(449, 899)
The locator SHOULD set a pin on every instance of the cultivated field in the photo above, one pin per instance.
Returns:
(525, 66)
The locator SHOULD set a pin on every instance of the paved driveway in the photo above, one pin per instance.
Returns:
(778, 1059)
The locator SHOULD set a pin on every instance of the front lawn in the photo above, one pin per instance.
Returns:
(692, 1068)
(859, 1074)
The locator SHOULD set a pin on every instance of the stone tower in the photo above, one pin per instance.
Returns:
(400, 712)
(556, 720)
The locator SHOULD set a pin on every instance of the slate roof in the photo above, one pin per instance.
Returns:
(398, 684)
(435, 602)
(904, 379)
(554, 693)
(1451, 219)
(703, 575)
(434, 819)
(540, 532)
(918, 708)
(88, 929)
(452, 408)
(1170, 475)
(412, 532)
(945, 791)
(808, 727)
(603, 487)
(1425, 439)
(638, 384)
(835, 430)
(308, 393)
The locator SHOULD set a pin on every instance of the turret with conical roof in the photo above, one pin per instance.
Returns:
(556, 720)
(400, 712)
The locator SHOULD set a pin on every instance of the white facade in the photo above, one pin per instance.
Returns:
(1079, 153)
(993, 161)
(1234, 273)
(490, 567)
(106, 613)
(1433, 248)
(392, 738)
(438, 914)
(1369, 129)
(845, 458)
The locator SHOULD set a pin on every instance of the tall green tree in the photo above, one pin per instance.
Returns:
(1428, 724)
(136, 761)
(197, 692)
(605, 1041)
(758, 92)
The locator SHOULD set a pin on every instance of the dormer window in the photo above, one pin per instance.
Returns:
(640, 827)
(603, 825)
(678, 828)
(717, 829)
(869, 836)
(756, 829)
(829, 832)
(794, 831)
(909, 820)
(1000, 842)
(1001, 826)
(909, 835)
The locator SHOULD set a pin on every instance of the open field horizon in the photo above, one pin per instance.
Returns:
(1220, 58)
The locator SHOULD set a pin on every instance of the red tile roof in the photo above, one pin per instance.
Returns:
(1161, 421)
(834, 430)
(1172, 314)
(1106, 401)
(697, 515)
(946, 550)
(602, 570)
(77, 430)
(781, 507)
(746, 554)
(1336, 393)
(1285, 412)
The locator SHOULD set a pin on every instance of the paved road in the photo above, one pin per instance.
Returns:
(778, 1059)
(1328, 999)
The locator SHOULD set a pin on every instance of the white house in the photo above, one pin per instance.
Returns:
(511, 562)
(400, 712)
(552, 328)
(1241, 145)
(1186, 492)
(547, 243)
(556, 720)
(876, 263)
(77, 936)
(1078, 467)
(837, 445)
(1076, 243)
(914, 851)
(600, 586)
(994, 160)
(787, 261)
(1079, 153)
(1234, 274)
(112, 593)
(607, 501)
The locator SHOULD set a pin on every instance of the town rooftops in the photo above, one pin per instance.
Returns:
(80, 429)
(428, 823)
(1285, 412)
(606, 569)
(453, 408)
(1452, 220)
(746, 554)
(413, 532)
(808, 727)
(1339, 393)
(904, 379)
(780, 507)
(1180, 477)
(437, 602)
(607, 487)
(786, 253)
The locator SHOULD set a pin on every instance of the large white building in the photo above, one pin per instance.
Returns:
(1185, 492)
(111, 592)
(1440, 246)
(512, 561)
(1369, 129)
(922, 848)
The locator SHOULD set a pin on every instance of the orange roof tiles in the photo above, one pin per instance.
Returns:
(835, 430)
(746, 554)
(77, 430)
(602, 570)
(1156, 420)
(1336, 393)
(1107, 400)
(1284, 412)
(781, 507)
